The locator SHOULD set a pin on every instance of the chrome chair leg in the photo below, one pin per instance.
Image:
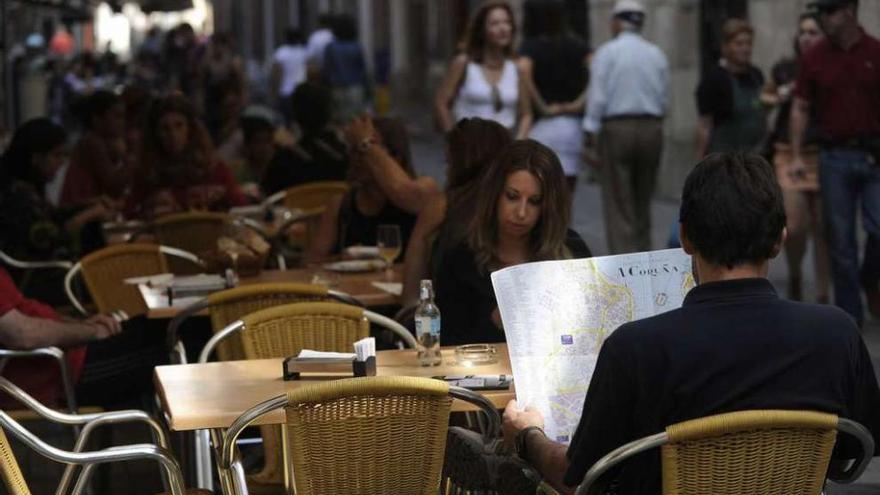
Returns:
(202, 453)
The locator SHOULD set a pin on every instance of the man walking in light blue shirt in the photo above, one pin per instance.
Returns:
(626, 102)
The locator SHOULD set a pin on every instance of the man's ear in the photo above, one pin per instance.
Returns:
(685, 242)
(777, 248)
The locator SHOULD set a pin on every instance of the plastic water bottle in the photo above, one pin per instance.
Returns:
(428, 326)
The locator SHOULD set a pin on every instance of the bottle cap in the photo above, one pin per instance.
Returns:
(426, 289)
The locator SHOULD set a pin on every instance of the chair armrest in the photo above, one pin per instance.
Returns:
(33, 265)
(867, 443)
(172, 335)
(218, 337)
(544, 488)
(617, 455)
(392, 325)
(51, 352)
(159, 435)
(494, 427)
(113, 454)
(68, 288)
(227, 454)
(344, 297)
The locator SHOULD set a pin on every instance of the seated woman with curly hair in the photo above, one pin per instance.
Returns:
(178, 169)
(521, 215)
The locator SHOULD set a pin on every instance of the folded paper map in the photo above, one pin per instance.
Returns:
(556, 315)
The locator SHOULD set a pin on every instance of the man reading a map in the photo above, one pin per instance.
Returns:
(733, 345)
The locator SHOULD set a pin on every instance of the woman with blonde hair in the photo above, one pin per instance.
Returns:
(178, 168)
(732, 114)
(486, 80)
(521, 215)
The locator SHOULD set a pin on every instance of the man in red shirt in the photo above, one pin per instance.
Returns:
(110, 363)
(839, 79)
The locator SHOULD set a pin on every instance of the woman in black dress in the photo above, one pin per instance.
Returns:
(522, 215)
(352, 219)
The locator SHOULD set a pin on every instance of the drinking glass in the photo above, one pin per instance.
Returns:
(388, 242)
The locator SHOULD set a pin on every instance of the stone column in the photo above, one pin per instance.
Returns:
(365, 30)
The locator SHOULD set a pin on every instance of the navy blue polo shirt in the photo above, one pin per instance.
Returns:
(733, 345)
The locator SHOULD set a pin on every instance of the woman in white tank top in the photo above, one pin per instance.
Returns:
(485, 81)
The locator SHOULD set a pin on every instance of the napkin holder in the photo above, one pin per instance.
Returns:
(295, 366)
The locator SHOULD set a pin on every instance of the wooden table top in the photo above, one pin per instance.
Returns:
(357, 285)
(213, 395)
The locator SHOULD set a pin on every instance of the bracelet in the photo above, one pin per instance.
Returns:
(365, 144)
(519, 444)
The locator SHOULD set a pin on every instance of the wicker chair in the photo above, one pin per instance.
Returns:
(764, 451)
(193, 231)
(282, 331)
(366, 435)
(11, 473)
(309, 198)
(226, 306)
(105, 271)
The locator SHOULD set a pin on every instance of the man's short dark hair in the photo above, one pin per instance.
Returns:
(251, 126)
(732, 209)
(312, 106)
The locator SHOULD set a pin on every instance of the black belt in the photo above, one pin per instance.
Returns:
(863, 143)
(632, 116)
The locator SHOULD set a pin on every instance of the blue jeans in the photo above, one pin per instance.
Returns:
(849, 178)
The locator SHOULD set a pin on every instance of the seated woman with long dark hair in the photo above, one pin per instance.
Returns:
(521, 215)
(178, 169)
(32, 228)
(471, 146)
(352, 219)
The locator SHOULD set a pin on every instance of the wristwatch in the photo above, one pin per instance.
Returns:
(520, 446)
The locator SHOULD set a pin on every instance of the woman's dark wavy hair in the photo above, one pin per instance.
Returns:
(90, 107)
(475, 37)
(803, 17)
(547, 238)
(470, 147)
(39, 135)
(157, 167)
(732, 210)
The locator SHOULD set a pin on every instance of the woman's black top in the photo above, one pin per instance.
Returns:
(357, 229)
(32, 228)
(715, 92)
(466, 298)
(734, 103)
(558, 66)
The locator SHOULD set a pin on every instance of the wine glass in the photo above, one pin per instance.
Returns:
(388, 242)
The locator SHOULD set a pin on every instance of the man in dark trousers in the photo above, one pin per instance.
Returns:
(733, 345)
(839, 79)
(623, 121)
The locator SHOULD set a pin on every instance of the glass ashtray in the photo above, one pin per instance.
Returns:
(476, 354)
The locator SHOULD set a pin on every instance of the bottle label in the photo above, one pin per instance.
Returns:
(428, 324)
